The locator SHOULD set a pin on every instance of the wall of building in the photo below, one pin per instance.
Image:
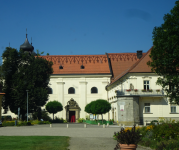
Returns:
(82, 96)
(159, 105)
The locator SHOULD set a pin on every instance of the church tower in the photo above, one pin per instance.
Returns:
(26, 46)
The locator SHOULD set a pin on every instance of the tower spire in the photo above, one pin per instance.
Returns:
(26, 32)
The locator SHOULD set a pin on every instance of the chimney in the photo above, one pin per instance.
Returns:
(139, 54)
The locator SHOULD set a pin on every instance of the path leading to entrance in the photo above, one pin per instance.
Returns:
(91, 138)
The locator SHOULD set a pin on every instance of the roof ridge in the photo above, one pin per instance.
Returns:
(132, 67)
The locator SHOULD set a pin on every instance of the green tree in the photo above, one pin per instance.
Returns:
(165, 52)
(88, 108)
(54, 107)
(21, 72)
(100, 106)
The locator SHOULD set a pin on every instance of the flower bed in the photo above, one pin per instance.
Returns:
(99, 121)
(163, 136)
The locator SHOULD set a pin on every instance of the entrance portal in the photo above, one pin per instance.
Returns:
(72, 111)
(72, 116)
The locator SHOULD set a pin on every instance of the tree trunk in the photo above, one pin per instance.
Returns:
(23, 116)
(102, 118)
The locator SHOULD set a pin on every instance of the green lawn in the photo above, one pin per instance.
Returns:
(34, 142)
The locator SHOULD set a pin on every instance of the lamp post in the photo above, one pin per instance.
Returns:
(27, 105)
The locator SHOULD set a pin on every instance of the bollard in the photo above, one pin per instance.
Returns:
(50, 125)
(107, 124)
(145, 123)
(15, 122)
(67, 125)
(103, 125)
(84, 125)
(98, 124)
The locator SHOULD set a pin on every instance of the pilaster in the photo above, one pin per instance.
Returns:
(83, 98)
(60, 95)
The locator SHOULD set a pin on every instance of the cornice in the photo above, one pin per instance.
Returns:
(76, 59)
(123, 57)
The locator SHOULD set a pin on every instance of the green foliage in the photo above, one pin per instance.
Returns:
(43, 122)
(64, 121)
(80, 120)
(39, 53)
(165, 52)
(88, 107)
(8, 123)
(166, 131)
(34, 142)
(130, 137)
(100, 106)
(24, 123)
(41, 115)
(57, 120)
(22, 72)
(54, 107)
(168, 145)
(87, 117)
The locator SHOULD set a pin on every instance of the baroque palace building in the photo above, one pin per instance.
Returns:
(123, 79)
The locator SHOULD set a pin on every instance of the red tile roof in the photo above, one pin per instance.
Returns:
(140, 65)
(94, 64)
(121, 64)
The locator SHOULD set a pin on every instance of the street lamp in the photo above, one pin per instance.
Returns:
(27, 105)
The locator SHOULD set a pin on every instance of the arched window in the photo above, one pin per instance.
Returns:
(94, 90)
(50, 91)
(71, 90)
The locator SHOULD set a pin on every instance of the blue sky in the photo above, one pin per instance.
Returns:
(81, 27)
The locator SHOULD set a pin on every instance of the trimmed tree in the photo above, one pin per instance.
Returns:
(21, 72)
(165, 52)
(88, 108)
(100, 106)
(53, 107)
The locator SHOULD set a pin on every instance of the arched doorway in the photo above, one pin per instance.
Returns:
(72, 111)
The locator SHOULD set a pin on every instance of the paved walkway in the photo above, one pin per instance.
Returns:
(91, 138)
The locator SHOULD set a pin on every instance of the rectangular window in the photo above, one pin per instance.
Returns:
(147, 107)
(146, 85)
(173, 108)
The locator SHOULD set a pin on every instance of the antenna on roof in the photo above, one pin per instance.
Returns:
(9, 44)
(26, 32)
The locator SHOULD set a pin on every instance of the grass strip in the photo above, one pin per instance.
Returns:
(34, 142)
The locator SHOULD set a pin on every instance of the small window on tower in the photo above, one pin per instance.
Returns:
(61, 67)
(82, 67)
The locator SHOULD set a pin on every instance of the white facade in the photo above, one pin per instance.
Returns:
(158, 104)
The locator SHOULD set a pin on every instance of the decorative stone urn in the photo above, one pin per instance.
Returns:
(127, 147)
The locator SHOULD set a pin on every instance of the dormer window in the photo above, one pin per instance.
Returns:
(82, 67)
(61, 67)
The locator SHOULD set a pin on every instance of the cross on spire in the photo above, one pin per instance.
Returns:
(26, 32)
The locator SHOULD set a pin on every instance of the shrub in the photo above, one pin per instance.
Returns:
(87, 117)
(80, 120)
(64, 121)
(166, 131)
(168, 145)
(24, 123)
(128, 137)
(8, 123)
(41, 115)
